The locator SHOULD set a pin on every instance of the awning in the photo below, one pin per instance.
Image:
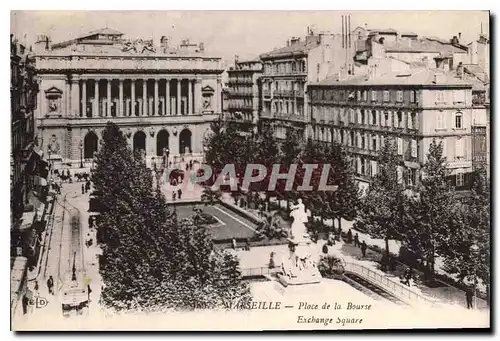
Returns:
(41, 166)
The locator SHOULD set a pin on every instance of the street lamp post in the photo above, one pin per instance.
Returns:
(81, 154)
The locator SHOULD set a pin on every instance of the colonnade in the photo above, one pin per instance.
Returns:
(111, 97)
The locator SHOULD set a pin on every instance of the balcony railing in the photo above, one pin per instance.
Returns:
(403, 292)
(266, 114)
(283, 93)
(266, 93)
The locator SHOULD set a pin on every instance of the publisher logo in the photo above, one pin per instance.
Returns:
(38, 302)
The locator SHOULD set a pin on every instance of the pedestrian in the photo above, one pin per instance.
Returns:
(50, 285)
(87, 185)
(271, 260)
(191, 164)
(91, 222)
(247, 244)
(36, 286)
(349, 236)
(187, 167)
(363, 248)
(234, 244)
(179, 193)
(356, 240)
(83, 189)
(469, 296)
(173, 196)
(325, 248)
(25, 302)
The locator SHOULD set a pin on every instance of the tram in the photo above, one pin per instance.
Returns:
(75, 295)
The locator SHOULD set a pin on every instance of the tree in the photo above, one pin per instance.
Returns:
(379, 210)
(471, 226)
(436, 202)
(150, 259)
(345, 201)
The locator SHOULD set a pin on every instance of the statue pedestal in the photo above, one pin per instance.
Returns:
(299, 269)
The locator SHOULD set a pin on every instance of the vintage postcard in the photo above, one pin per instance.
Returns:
(250, 170)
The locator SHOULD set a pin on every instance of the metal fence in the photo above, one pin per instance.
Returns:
(399, 290)
(262, 271)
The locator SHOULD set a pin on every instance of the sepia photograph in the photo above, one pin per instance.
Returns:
(249, 170)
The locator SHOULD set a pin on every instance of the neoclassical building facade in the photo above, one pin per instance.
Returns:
(163, 98)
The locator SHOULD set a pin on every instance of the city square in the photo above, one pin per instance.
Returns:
(378, 200)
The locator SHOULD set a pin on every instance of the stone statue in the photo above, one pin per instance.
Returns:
(299, 215)
(53, 146)
(298, 267)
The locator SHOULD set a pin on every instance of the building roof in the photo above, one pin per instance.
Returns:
(105, 30)
(425, 45)
(409, 34)
(385, 30)
(417, 77)
(300, 47)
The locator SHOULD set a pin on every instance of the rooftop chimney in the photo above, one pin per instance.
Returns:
(294, 40)
(459, 36)
(460, 70)
(201, 46)
(164, 42)
(43, 43)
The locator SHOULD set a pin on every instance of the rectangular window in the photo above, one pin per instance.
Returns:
(374, 95)
(362, 141)
(386, 96)
(413, 96)
(459, 96)
(460, 179)
(399, 96)
(365, 95)
(459, 148)
(439, 121)
(373, 167)
(411, 176)
(400, 174)
(400, 146)
(458, 121)
(440, 97)
(358, 95)
(374, 117)
(374, 143)
(413, 148)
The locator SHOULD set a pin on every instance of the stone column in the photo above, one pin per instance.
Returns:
(132, 97)
(96, 98)
(218, 93)
(190, 97)
(84, 98)
(197, 97)
(120, 109)
(156, 102)
(178, 109)
(167, 97)
(67, 98)
(144, 98)
(75, 97)
(108, 103)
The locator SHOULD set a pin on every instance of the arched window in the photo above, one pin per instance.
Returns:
(458, 120)
(90, 145)
(185, 141)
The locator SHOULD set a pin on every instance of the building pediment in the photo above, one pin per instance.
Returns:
(53, 92)
(207, 89)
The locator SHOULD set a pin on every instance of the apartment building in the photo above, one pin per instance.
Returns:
(287, 71)
(243, 95)
(413, 106)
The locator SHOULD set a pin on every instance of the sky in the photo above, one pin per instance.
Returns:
(243, 33)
